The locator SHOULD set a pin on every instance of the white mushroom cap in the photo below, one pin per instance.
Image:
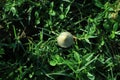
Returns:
(65, 39)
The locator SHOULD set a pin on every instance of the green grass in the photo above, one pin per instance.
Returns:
(28, 46)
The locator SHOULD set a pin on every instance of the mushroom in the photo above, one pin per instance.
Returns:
(65, 39)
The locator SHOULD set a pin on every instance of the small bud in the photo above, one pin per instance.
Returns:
(113, 15)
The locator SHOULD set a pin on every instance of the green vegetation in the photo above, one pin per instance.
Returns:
(28, 46)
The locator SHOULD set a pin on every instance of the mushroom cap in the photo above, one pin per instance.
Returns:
(65, 39)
